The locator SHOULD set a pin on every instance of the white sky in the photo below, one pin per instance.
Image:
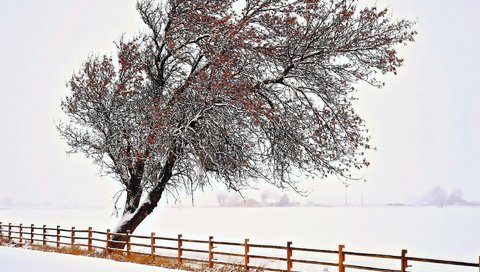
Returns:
(425, 122)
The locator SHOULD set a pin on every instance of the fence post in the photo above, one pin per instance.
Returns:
(289, 256)
(72, 237)
(179, 258)
(152, 246)
(128, 244)
(44, 235)
(247, 250)
(341, 258)
(404, 260)
(89, 239)
(21, 234)
(9, 232)
(31, 233)
(107, 243)
(58, 237)
(210, 252)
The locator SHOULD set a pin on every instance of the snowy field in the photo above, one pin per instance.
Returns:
(429, 232)
(24, 260)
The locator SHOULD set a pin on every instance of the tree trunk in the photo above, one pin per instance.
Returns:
(132, 219)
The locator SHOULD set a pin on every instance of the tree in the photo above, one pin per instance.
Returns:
(221, 198)
(456, 197)
(212, 93)
(438, 196)
(284, 201)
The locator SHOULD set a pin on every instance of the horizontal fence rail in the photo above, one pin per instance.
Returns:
(206, 251)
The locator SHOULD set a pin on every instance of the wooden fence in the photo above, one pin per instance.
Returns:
(207, 251)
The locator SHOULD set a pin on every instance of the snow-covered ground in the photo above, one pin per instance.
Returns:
(24, 260)
(442, 233)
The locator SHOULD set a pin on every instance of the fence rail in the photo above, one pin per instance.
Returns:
(210, 252)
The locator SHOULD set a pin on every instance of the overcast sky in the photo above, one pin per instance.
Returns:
(425, 122)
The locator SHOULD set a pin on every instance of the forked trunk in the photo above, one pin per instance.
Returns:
(132, 219)
(129, 222)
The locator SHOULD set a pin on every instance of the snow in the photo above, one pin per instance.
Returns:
(441, 233)
(124, 219)
(25, 260)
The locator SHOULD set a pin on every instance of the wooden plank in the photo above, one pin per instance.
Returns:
(152, 246)
(289, 256)
(166, 238)
(179, 248)
(314, 250)
(142, 237)
(119, 234)
(51, 229)
(37, 228)
(372, 255)
(195, 241)
(425, 260)
(341, 258)
(247, 251)
(120, 242)
(166, 247)
(129, 247)
(89, 239)
(32, 233)
(44, 234)
(210, 252)
(21, 234)
(404, 261)
(64, 230)
(107, 242)
(228, 243)
(58, 237)
(268, 246)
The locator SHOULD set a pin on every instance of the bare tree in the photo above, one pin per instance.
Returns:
(438, 196)
(215, 94)
(221, 198)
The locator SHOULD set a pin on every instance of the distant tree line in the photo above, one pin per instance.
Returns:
(438, 196)
(268, 199)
